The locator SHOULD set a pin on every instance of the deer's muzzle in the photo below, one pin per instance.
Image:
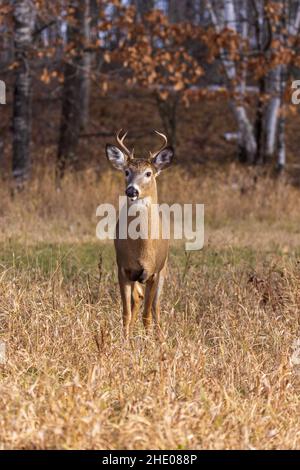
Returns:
(132, 192)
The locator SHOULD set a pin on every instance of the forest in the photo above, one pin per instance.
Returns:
(64, 57)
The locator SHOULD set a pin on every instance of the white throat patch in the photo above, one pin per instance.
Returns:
(143, 201)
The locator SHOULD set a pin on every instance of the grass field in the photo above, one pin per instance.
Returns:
(227, 375)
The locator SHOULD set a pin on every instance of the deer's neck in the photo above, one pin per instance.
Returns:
(148, 212)
(148, 200)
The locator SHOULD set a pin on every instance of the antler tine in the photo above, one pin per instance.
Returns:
(163, 146)
(122, 145)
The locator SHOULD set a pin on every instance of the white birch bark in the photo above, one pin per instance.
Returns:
(272, 110)
(274, 88)
(246, 139)
(281, 156)
(24, 18)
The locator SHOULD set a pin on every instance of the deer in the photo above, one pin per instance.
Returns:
(141, 262)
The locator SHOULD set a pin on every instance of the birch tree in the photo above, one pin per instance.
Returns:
(285, 30)
(226, 18)
(270, 30)
(24, 18)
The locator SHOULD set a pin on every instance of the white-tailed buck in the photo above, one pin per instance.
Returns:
(141, 260)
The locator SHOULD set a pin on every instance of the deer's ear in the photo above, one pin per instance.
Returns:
(163, 159)
(116, 157)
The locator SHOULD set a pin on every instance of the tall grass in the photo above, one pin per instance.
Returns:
(227, 374)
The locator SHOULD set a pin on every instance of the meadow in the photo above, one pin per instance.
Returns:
(227, 374)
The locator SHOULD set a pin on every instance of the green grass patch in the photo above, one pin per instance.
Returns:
(82, 259)
(44, 259)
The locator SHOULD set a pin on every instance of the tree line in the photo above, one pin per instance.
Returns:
(179, 51)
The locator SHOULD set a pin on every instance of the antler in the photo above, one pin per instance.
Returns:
(122, 145)
(153, 155)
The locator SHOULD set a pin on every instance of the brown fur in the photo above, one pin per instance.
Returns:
(141, 261)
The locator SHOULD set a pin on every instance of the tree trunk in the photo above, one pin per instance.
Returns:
(86, 65)
(276, 82)
(143, 6)
(2, 92)
(24, 17)
(2, 101)
(259, 124)
(75, 92)
(281, 155)
(272, 111)
(168, 113)
(246, 140)
(181, 11)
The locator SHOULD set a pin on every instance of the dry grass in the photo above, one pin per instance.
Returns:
(225, 377)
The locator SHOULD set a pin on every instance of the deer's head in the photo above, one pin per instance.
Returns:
(140, 173)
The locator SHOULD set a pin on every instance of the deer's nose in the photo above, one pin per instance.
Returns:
(131, 191)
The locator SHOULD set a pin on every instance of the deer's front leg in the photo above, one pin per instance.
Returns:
(150, 291)
(156, 302)
(125, 289)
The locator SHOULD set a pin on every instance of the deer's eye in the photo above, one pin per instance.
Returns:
(127, 173)
(148, 174)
